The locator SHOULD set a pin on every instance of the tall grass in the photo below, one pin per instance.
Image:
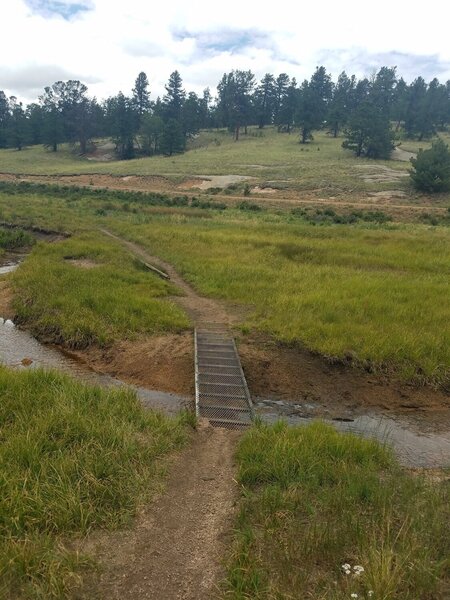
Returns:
(13, 239)
(314, 500)
(374, 295)
(72, 458)
(115, 298)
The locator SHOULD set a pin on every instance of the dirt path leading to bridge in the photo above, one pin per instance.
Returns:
(199, 308)
(177, 548)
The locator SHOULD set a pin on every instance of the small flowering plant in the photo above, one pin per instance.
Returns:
(355, 571)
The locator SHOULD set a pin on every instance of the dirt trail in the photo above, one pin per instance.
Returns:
(178, 545)
(199, 308)
(284, 199)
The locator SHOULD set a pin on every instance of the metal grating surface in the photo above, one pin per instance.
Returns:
(221, 392)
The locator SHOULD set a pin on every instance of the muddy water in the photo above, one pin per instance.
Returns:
(416, 443)
(18, 347)
(10, 262)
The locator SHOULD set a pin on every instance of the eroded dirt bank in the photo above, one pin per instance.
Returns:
(395, 203)
(273, 371)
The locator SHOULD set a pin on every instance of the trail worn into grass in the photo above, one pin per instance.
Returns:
(176, 549)
(199, 308)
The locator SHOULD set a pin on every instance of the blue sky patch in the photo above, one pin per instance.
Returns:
(63, 8)
(226, 40)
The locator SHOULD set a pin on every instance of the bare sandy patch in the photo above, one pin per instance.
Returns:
(82, 263)
(264, 190)
(402, 155)
(388, 194)
(163, 362)
(206, 182)
(380, 174)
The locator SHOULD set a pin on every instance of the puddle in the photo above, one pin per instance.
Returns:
(415, 445)
(10, 262)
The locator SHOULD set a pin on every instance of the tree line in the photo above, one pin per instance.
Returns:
(368, 112)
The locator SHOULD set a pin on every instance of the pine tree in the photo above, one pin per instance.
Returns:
(150, 133)
(339, 106)
(18, 129)
(431, 168)
(175, 97)
(141, 95)
(172, 139)
(265, 100)
(369, 132)
(312, 105)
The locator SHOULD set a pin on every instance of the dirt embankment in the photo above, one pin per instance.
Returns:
(273, 371)
(6, 297)
(394, 202)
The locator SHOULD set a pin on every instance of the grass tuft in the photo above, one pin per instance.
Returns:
(314, 500)
(72, 458)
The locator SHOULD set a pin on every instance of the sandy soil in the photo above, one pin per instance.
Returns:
(396, 206)
(402, 155)
(82, 263)
(163, 363)
(273, 371)
(6, 296)
(176, 548)
(297, 375)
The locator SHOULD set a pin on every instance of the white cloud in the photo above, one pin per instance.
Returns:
(110, 42)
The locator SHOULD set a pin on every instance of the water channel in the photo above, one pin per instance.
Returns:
(414, 442)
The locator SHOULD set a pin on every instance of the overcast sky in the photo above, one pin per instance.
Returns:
(106, 43)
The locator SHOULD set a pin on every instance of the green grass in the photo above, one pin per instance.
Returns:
(72, 458)
(116, 298)
(377, 295)
(374, 294)
(14, 239)
(313, 500)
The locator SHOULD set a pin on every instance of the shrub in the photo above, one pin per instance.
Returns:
(431, 169)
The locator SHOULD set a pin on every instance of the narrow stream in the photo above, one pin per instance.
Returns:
(415, 443)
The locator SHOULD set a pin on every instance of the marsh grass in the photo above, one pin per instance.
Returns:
(72, 458)
(65, 303)
(14, 239)
(313, 500)
(373, 295)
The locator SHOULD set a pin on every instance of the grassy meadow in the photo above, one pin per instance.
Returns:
(366, 290)
(277, 159)
(72, 458)
(331, 516)
(14, 239)
(88, 290)
(374, 294)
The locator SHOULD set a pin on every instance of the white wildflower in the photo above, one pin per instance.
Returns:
(370, 593)
(358, 569)
(353, 595)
